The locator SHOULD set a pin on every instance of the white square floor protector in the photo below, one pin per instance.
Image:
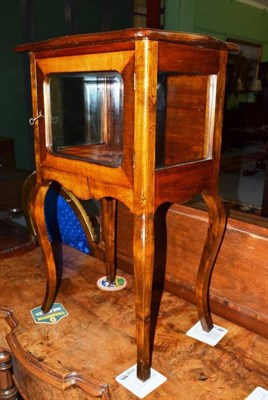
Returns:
(212, 337)
(258, 394)
(129, 380)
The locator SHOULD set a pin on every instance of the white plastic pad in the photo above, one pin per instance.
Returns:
(118, 284)
(258, 394)
(129, 380)
(212, 337)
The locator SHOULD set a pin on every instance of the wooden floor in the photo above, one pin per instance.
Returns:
(97, 339)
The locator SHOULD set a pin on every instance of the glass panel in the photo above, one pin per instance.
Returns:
(182, 119)
(87, 116)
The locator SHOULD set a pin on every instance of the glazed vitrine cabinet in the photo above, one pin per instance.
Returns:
(134, 116)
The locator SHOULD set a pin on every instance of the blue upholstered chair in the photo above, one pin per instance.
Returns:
(69, 220)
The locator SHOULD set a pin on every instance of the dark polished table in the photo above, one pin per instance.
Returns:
(253, 133)
(11, 183)
(264, 208)
(14, 238)
(245, 134)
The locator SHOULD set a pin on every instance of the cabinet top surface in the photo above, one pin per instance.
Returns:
(127, 35)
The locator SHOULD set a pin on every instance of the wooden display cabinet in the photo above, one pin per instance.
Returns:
(134, 116)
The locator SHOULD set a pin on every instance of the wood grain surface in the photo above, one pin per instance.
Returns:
(97, 339)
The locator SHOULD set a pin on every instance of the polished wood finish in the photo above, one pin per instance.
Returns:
(79, 357)
(140, 182)
(104, 38)
(8, 390)
(109, 206)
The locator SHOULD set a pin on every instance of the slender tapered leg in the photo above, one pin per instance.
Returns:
(143, 255)
(109, 226)
(217, 222)
(37, 209)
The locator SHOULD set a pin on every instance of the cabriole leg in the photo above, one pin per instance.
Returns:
(216, 228)
(38, 216)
